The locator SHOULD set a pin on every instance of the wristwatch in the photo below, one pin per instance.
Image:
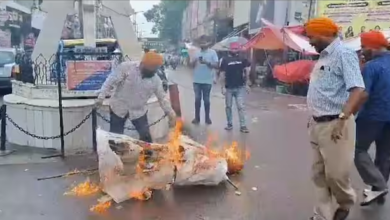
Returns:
(343, 116)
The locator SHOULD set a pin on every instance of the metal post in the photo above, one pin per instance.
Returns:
(3, 150)
(310, 9)
(60, 105)
(59, 86)
(94, 126)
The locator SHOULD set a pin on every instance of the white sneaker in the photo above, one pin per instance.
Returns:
(372, 196)
(366, 192)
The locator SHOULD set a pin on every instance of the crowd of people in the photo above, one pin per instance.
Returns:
(349, 105)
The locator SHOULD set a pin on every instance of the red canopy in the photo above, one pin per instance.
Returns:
(296, 71)
(272, 37)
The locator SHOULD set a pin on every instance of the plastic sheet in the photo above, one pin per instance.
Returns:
(121, 176)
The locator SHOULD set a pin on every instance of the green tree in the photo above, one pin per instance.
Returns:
(167, 17)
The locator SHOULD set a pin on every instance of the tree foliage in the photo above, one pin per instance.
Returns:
(167, 17)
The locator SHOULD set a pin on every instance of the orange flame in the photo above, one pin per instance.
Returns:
(235, 157)
(101, 208)
(143, 196)
(86, 188)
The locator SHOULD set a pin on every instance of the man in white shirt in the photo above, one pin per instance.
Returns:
(133, 84)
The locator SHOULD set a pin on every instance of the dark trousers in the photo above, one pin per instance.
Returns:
(202, 91)
(375, 174)
(117, 125)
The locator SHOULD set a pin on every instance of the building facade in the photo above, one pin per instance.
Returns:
(208, 17)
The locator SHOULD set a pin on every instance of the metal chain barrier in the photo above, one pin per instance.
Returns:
(49, 137)
(130, 128)
(75, 128)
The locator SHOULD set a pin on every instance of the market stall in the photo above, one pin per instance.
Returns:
(274, 46)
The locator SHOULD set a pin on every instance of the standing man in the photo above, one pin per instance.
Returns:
(373, 121)
(336, 91)
(204, 62)
(133, 84)
(235, 84)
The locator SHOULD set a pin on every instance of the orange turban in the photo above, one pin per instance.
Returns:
(373, 40)
(321, 27)
(152, 59)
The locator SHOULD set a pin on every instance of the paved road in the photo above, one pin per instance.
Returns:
(279, 168)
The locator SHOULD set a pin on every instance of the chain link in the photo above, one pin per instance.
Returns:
(130, 128)
(49, 137)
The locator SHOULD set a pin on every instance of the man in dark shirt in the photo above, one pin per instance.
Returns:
(235, 83)
(373, 120)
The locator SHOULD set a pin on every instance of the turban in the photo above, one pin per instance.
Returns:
(152, 59)
(321, 27)
(373, 40)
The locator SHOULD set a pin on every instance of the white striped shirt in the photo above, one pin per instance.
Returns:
(334, 75)
(131, 92)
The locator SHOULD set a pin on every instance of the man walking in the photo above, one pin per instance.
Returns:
(336, 91)
(235, 84)
(133, 84)
(204, 62)
(373, 121)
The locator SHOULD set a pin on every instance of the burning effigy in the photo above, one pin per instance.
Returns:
(133, 169)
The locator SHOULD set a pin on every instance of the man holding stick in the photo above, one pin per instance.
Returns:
(133, 84)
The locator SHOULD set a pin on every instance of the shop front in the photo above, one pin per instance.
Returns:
(15, 24)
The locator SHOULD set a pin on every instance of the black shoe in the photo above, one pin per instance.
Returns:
(195, 121)
(244, 129)
(381, 200)
(229, 127)
(208, 121)
(341, 214)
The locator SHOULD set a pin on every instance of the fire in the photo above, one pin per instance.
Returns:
(175, 150)
(143, 196)
(101, 208)
(86, 188)
(235, 158)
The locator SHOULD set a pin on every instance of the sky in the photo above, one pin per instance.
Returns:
(143, 25)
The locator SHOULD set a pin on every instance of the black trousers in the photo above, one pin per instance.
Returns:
(117, 125)
(374, 173)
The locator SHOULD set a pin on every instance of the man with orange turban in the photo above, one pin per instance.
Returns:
(131, 86)
(336, 92)
(373, 121)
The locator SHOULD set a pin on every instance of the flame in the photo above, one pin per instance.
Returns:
(235, 157)
(175, 150)
(101, 208)
(86, 188)
(142, 195)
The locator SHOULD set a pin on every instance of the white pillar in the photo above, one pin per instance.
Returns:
(48, 39)
(124, 28)
(89, 19)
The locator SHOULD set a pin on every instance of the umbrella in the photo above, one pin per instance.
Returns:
(225, 43)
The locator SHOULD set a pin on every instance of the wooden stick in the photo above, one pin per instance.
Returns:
(67, 174)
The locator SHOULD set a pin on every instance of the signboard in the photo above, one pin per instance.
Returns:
(355, 17)
(85, 49)
(87, 75)
(260, 9)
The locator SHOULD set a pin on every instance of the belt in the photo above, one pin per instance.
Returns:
(326, 118)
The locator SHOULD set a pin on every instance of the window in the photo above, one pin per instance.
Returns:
(6, 57)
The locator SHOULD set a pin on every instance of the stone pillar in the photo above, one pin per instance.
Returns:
(124, 28)
(89, 19)
(47, 42)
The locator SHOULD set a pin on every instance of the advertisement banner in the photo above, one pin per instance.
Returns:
(355, 17)
(260, 9)
(87, 75)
